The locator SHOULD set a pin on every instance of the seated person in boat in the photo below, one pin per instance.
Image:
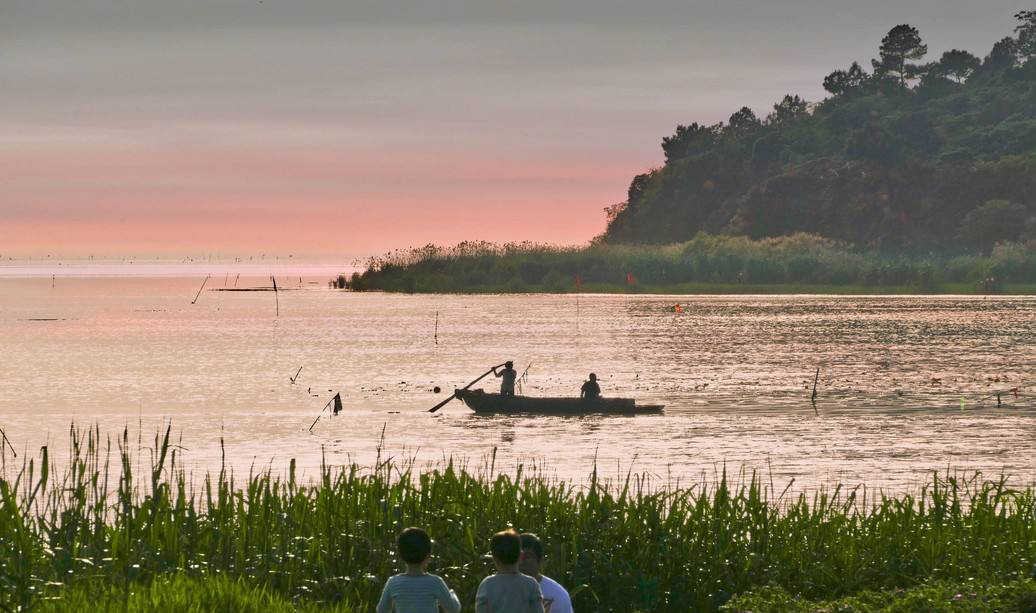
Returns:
(590, 390)
(507, 377)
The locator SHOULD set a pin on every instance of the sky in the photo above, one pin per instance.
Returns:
(349, 128)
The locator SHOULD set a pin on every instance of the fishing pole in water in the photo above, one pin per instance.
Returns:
(337, 401)
(523, 378)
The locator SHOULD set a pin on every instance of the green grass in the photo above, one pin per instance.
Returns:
(937, 597)
(328, 541)
(706, 265)
(178, 593)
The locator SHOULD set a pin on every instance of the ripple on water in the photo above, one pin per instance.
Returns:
(736, 374)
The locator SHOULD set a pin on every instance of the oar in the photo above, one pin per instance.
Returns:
(454, 394)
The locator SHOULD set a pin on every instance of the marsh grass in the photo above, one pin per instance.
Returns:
(180, 593)
(328, 540)
(800, 263)
(969, 596)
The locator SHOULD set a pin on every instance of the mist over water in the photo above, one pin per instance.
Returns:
(735, 374)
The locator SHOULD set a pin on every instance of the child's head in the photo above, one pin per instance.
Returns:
(506, 547)
(532, 554)
(414, 545)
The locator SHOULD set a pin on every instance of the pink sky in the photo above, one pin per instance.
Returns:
(346, 129)
(316, 201)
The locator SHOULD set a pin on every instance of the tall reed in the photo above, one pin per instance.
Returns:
(634, 544)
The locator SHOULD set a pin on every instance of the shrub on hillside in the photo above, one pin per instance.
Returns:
(994, 222)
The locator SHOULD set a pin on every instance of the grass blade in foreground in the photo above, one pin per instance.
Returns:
(329, 541)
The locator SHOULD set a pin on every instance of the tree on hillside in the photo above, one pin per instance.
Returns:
(956, 65)
(789, 108)
(842, 82)
(1026, 32)
(637, 187)
(743, 122)
(1004, 55)
(901, 45)
(893, 160)
(874, 143)
(688, 140)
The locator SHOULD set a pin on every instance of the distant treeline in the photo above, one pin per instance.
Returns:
(910, 155)
(705, 261)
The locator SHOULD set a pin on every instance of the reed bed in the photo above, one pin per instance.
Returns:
(706, 263)
(118, 518)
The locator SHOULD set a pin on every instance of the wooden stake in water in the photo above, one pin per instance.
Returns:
(813, 398)
(196, 296)
(276, 299)
(437, 327)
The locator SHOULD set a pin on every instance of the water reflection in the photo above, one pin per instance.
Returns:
(736, 374)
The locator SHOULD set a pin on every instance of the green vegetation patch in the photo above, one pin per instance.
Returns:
(938, 597)
(113, 523)
(800, 263)
(177, 593)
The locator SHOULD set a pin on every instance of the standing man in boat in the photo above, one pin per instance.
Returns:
(507, 377)
(590, 390)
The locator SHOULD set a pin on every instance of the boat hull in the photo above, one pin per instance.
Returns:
(481, 402)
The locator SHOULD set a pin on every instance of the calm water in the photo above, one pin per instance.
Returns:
(734, 372)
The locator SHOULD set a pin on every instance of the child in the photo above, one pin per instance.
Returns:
(416, 591)
(508, 591)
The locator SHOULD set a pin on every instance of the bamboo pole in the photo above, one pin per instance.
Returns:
(196, 296)
(276, 299)
(320, 413)
(813, 398)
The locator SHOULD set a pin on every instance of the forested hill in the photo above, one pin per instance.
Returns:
(914, 153)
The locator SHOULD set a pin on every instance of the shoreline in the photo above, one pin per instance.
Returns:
(797, 264)
(738, 289)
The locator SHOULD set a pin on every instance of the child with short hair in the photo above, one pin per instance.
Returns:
(416, 591)
(508, 591)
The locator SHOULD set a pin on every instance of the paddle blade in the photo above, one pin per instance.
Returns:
(442, 404)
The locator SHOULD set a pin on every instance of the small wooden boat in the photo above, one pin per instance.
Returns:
(482, 402)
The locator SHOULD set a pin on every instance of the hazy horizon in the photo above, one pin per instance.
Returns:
(315, 128)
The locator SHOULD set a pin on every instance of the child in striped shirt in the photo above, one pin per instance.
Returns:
(416, 591)
(508, 591)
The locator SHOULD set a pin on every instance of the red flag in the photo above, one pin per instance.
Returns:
(629, 279)
(579, 282)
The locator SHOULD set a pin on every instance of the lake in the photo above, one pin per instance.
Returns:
(907, 384)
